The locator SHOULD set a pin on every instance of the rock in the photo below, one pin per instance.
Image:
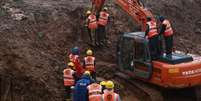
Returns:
(198, 31)
(19, 17)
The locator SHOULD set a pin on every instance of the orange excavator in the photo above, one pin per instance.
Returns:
(179, 71)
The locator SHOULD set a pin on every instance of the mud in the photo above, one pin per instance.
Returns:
(33, 51)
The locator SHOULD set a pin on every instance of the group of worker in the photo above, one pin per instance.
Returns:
(154, 37)
(80, 80)
(96, 22)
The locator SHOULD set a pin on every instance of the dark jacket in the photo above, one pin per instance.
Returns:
(80, 91)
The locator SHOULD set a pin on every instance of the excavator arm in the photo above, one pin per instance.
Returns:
(136, 10)
(133, 7)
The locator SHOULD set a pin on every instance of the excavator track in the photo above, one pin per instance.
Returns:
(146, 92)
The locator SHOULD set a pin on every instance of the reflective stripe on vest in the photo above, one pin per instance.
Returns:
(68, 77)
(103, 19)
(94, 88)
(89, 63)
(73, 58)
(94, 91)
(152, 29)
(168, 30)
(92, 22)
(110, 96)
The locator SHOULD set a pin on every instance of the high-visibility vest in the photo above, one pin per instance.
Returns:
(152, 29)
(168, 29)
(110, 96)
(89, 63)
(73, 58)
(92, 22)
(94, 91)
(103, 19)
(68, 77)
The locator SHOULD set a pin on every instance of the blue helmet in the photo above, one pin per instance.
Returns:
(75, 50)
(161, 18)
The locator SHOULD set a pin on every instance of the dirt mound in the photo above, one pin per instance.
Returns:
(33, 50)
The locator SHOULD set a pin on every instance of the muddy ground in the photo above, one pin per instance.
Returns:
(33, 50)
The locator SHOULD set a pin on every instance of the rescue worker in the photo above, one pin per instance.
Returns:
(152, 35)
(74, 57)
(86, 25)
(92, 26)
(69, 79)
(103, 84)
(80, 90)
(102, 22)
(167, 32)
(89, 63)
(109, 94)
(95, 92)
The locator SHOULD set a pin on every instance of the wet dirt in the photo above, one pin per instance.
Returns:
(33, 51)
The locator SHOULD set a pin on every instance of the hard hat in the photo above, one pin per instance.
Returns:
(105, 8)
(75, 50)
(161, 18)
(87, 73)
(109, 85)
(71, 65)
(89, 52)
(103, 83)
(88, 12)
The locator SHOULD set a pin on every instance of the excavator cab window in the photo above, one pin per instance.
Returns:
(133, 55)
(126, 53)
(142, 60)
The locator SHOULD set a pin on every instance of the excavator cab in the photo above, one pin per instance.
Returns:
(133, 54)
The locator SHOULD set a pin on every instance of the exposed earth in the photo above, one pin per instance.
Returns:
(36, 35)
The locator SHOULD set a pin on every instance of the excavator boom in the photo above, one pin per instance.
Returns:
(136, 11)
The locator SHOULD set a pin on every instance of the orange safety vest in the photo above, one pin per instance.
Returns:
(92, 22)
(152, 29)
(168, 30)
(73, 58)
(68, 77)
(89, 63)
(94, 92)
(110, 96)
(103, 19)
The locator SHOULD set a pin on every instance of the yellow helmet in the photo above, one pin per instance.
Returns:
(89, 52)
(109, 85)
(87, 73)
(105, 8)
(103, 83)
(71, 65)
(88, 12)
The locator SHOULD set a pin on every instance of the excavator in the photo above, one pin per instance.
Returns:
(133, 55)
(179, 71)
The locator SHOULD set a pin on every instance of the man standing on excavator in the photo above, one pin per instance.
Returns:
(152, 35)
(102, 22)
(92, 25)
(167, 32)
